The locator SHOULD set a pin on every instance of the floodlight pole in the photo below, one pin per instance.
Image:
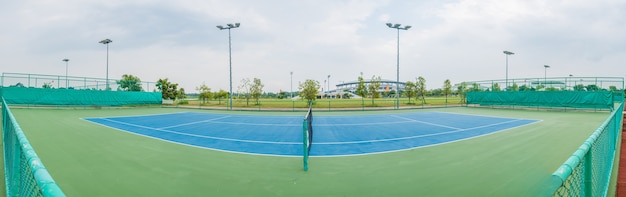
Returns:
(230, 60)
(106, 42)
(398, 27)
(507, 53)
(570, 80)
(291, 84)
(67, 83)
(545, 75)
(328, 86)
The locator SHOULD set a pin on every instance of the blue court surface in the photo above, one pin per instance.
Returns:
(332, 135)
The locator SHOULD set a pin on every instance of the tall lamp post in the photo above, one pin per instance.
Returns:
(570, 79)
(230, 60)
(67, 83)
(398, 27)
(106, 42)
(507, 53)
(545, 75)
(328, 86)
(291, 84)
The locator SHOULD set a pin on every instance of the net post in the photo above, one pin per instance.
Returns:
(307, 136)
(305, 154)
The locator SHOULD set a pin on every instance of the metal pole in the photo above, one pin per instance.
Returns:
(398, 72)
(398, 27)
(66, 79)
(230, 65)
(328, 85)
(106, 42)
(291, 84)
(230, 62)
(507, 53)
(67, 83)
(507, 72)
(107, 79)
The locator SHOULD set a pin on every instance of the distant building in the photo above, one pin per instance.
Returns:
(385, 86)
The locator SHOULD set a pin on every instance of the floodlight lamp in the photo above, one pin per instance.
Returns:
(546, 66)
(407, 27)
(396, 25)
(66, 60)
(106, 41)
(230, 25)
(220, 27)
(508, 53)
(389, 25)
(237, 24)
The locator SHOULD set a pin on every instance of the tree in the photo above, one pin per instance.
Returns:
(524, 88)
(361, 90)
(495, 87)
(346, 95)
(181, 93)
(309, 90)
(515, 87)
(204, 92)
(256, 89)
(447, 89)
(220, 95)
(420, 87)
(169, 90)
(373, 88)
(409, 90)
(281, 94)
(129, 83)
(611, 88)
(579, 87)
(475, 87)
(18, 84)
(47, 85)
(245, 87)
(592, 87)
(461, 89)
(435, 92)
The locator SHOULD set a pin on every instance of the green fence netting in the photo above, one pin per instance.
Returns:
(573, 99)
(25, 174)
(43, 96)
(587, 172)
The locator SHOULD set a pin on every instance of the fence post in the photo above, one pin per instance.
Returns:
(329, 105)
(587, 174)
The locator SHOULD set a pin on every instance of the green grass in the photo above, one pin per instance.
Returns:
(91, 160)
(328, 103)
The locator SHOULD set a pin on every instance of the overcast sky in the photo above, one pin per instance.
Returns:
(460, 40)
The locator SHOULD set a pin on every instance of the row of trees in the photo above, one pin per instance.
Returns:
(309, 90)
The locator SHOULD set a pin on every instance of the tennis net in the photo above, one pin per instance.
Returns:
(307, 139)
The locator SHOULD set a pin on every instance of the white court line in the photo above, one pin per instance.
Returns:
(428, 123)
(360, 124)
(258, 124)
(417, 136)
(200, 136)
(197, 122)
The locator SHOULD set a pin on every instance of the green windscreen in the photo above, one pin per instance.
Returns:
(574, 99)
(49, 96)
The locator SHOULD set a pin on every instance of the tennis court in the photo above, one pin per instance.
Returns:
(334, 136)
(88, 159)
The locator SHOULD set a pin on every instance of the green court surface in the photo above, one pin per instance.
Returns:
(86, 159)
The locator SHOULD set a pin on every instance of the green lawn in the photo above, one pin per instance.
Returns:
(91, 160)
(326, 103)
